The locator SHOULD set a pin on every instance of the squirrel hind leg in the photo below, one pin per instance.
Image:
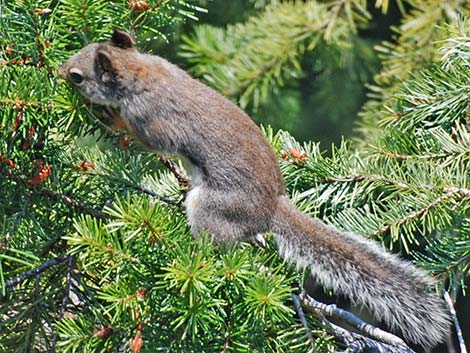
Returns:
(224, 215)
(206, 214)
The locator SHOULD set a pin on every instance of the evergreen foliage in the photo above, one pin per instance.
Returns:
(325, 50)
(288, 60)
(415, 45)
(404, 179)
(410, 188)
(90, 261)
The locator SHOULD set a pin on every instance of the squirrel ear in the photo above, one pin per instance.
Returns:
(121, 39)
(104, 67)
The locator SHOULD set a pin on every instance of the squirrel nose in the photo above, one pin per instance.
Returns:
(62, 72)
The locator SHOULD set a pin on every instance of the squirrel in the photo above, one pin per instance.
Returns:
(237, 190)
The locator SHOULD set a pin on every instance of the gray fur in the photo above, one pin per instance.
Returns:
(237, 189)
(392, 289)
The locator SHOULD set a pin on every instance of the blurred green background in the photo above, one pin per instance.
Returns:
(320, 104)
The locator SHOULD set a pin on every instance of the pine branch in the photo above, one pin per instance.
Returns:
(55, 196)
(453, 314)
(416, 44)
(183, 180)
(303, 320)
(388, 342)
(250, 60)
(36, 271)
(451, 192)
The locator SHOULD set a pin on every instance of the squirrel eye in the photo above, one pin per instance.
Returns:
(75, 76)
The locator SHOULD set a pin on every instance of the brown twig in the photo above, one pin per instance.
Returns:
(226, 344)
(19, 104)
(450, 192)
(55, 196)
(73, 203)
(183, 179)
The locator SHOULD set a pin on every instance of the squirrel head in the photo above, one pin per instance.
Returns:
(98, 72)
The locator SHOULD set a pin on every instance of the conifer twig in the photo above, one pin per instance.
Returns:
(453, 314)
(366, 177)
(414, 215)
(183, 180)
(390, 342)
(65, 298)
(462, 192)
(55, 196)
(301, 315)
(136, 187)
(154, 194)
(357, 343)
(36, 271)
(73, 203)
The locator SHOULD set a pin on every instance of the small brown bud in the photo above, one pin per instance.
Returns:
(42, 11)
(44, 172)
(141, 294)
(85, 166)
(104, 332)
(301, 156)
(124, 141)
(9, 51)
(137, 342)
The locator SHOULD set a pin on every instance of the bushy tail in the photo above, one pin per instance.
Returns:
(392, 289)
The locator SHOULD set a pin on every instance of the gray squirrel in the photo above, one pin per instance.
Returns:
(237, 190)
